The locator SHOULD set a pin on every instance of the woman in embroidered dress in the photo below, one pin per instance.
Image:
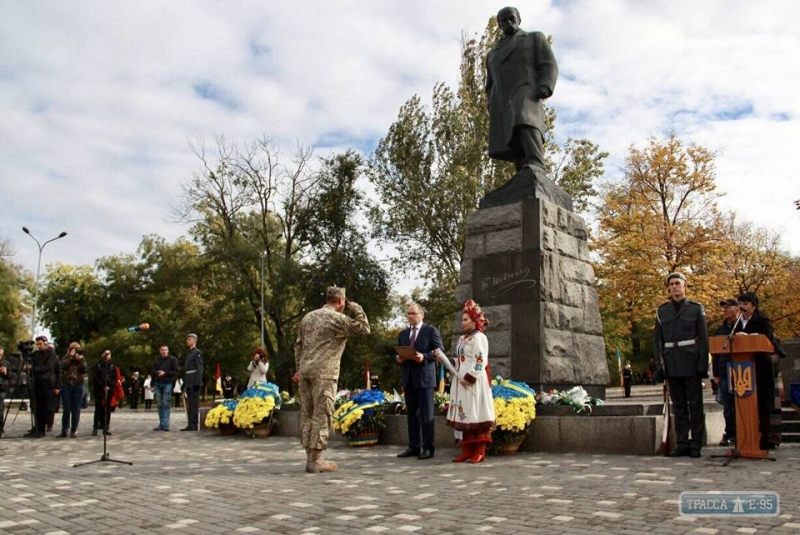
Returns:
(471, 411)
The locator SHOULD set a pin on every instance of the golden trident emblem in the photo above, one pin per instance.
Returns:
(741, 374)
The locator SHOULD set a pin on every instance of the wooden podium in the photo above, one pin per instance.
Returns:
(742, 380)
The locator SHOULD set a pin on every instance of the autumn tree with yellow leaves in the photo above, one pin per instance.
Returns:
(662, 216)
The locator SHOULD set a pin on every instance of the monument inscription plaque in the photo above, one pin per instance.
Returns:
(507, 278)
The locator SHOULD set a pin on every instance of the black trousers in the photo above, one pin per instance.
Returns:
(193, 405)
(765, 391)
(102, 417)
(419, 402)
(44, 405)
(687, 406)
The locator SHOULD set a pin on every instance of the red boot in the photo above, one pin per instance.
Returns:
(479, 453)
(467, 451)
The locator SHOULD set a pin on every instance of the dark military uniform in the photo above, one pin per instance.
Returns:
(192, 383)
(681, 346)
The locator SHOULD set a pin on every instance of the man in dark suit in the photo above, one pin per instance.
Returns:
(680, 343)
(753, 321)
(419, 380)
(521, 71)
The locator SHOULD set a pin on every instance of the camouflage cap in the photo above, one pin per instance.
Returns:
(335, 292)
(676, 275)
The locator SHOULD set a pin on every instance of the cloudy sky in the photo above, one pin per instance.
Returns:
(100, 100)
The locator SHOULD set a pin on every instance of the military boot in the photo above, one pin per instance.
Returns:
(315, 464)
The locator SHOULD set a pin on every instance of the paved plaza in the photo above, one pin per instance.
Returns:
(183, 482)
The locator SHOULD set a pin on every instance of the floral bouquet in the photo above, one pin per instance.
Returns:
(256, 406)
(441, 401)
(222, 414)
(361, 418)
(288, 399)
(576, 397)
(514, 410)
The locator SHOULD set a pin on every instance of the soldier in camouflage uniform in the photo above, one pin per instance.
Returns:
(681, 347)
(318, 352)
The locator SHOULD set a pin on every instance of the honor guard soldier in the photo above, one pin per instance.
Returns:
(681, 346)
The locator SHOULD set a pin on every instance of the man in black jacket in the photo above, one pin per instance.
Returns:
(681, 346)
(754, 322)
(44, 365)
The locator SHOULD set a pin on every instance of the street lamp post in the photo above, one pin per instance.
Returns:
(263, 254)
(38, 273)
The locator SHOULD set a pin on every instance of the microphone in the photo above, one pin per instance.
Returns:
(733, 330)
(142, 327)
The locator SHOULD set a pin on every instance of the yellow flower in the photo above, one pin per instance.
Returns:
(218, 415)
(252, 411)
(515, 414)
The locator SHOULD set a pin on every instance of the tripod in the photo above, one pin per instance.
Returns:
(23, 390)
(106, 457)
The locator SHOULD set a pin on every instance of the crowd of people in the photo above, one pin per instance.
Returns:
(69, 383)
(681, 350)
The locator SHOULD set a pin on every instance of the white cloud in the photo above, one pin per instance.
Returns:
(100, 100)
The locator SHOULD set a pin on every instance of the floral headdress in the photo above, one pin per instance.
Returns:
(475, 313)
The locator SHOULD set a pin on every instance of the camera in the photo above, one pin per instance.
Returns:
(25, 350)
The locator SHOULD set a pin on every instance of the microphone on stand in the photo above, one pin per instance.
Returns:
(733, 331)
(142, 327)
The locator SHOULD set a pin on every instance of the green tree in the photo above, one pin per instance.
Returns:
(247, 207)
(13, 280)
(73, 304)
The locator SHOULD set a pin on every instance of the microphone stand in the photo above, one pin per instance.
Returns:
(729, 344)
(106, 457)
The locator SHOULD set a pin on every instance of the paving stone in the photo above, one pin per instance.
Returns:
(203, 483)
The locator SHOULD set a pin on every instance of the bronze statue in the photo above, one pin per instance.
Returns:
(521, 72)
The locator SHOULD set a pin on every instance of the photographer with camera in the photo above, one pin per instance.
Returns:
(44, 367)
(73, 372)
(258, 367)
